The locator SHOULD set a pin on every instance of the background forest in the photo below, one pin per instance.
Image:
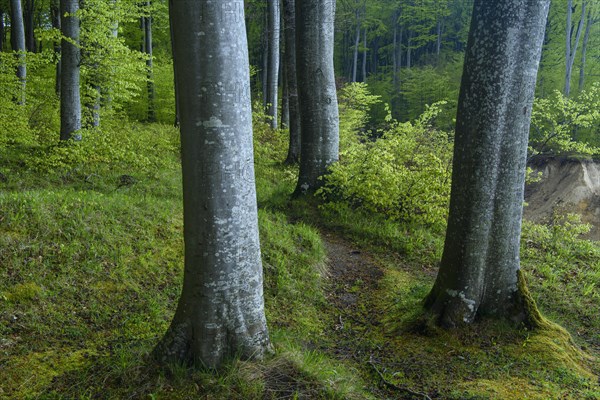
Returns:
(91, 228)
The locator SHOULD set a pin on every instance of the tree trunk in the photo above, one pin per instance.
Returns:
(274, 19)
(479, 273)
(317, 93)
(149, 68)
(395, 52)
(17, 36)
(1, 30)
(176, 122)
(586, 38)
(55, 16)
(28, 13)
(70, 101)
(356, 43)
(409, 50)
(571, 50)
(364, 60)
(221, 309)
(438, 43)
(289, 18)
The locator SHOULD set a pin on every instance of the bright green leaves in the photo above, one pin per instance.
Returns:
(402, 172)
(565, 126)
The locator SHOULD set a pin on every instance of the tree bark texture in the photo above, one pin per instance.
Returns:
(221, 310)
(70, 97)
(289, 20)
(586, 38)
(29, 25)
(480, 265)
(571, 49)
(273, 19)
(364, 60)
(17, 36)
(317, 93)
(2, 32)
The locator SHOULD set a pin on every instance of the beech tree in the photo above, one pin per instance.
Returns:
(479, 273)
(17, 37)
(289, 21)
(70, 97)
(317, 91)
(1, 29)
(221, 309)
(273, 26)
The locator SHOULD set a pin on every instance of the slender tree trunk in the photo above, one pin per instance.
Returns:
(409, 50)
(289, 18)
(285, 98)
(265, 60)
(1, 30)
(221, 309)
(356, 44)
(572, 49)
(176, 122)
(17, 36)
(274, 19)
(395, 52)
(438, 42)
(149, 67)
(364, 60)
(70, 98)
(55, 16)
(317, 93)
(586, 38)
(479, 274)
(28, 13)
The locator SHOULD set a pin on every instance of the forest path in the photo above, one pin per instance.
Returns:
(355, 329)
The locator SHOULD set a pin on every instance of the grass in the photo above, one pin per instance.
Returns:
(91, 269)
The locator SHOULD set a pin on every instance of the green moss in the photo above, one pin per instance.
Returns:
(23, 292)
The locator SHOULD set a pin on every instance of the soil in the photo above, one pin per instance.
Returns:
(567, 186)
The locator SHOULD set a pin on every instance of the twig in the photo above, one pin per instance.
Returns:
(393, 385)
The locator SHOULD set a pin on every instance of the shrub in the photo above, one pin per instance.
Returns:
(404, 174)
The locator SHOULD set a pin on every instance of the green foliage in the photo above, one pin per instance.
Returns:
(107, 63)
(404, 174)
(563, 126)
(564, 273)
(355, 103)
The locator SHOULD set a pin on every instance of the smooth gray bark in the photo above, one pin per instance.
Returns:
(586, 37)
(356, 43)
(2, 33)
(55, 17)
(221, 309)
(364, 60)
(273, 19)
(571, 49)
(17, 36)
(289, 18)
(409, 50)
(317, 93)
(480, 265)
(149, 68)
(70, 98)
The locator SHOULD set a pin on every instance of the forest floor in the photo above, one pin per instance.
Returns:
(91, 267)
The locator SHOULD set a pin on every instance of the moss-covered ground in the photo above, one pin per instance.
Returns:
(91, 268)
